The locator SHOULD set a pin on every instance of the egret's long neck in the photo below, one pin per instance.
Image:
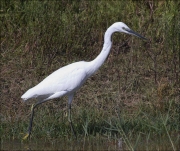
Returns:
(99, 60)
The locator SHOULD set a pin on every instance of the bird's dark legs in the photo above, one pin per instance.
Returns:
(70, 121)
(31, 120)
(32, 115)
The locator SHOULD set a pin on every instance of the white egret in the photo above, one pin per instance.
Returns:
(68, 79)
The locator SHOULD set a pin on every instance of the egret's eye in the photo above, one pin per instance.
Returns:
(124, 28)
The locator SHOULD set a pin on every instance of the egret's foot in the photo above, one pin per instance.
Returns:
(26, 136)
(32, 107)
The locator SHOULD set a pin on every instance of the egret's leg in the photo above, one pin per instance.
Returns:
(31, 120)
(70, 121)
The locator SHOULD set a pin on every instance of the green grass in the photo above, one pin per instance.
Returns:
(134, 95)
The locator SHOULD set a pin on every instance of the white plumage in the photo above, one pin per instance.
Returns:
(68, 79)
(63, 81)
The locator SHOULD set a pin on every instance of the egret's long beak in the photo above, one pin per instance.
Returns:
(135, 33)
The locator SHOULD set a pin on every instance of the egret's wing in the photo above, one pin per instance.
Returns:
(66, 80)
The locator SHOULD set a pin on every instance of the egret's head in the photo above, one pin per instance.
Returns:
(122, 27)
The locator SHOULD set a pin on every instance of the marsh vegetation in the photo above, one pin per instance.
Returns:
(134, 95)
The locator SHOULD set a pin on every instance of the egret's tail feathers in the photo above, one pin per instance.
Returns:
(24, 99)
(28, 95)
